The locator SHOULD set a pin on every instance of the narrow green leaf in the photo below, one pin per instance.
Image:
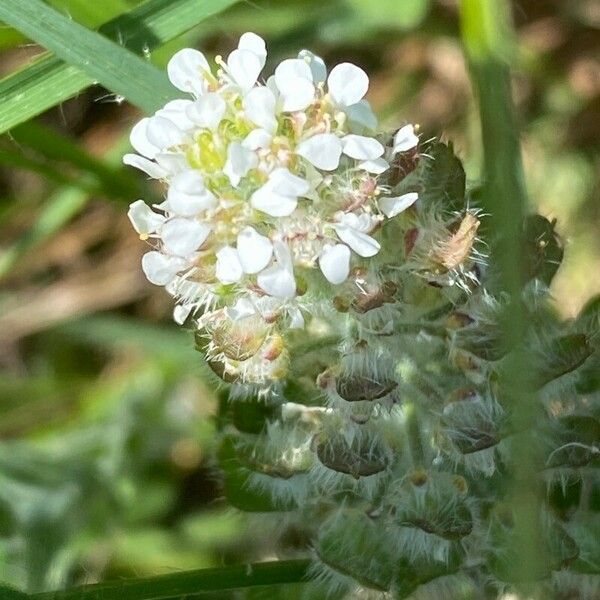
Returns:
(113, 66)
(178, 585)
(49, 81)
(90, 14)
(17, 160)
(115, 181)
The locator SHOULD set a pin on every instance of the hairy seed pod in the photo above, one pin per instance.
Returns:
(239, 340)
(360, 458)
(355, 388)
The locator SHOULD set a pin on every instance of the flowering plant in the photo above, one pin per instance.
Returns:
(266, 182)
(338, 283)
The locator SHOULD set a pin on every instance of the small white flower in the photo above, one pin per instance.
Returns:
(237, 156)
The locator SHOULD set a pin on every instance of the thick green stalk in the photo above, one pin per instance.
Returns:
(488, 42)
(188, 584)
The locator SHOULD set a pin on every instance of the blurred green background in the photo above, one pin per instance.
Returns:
(107, 464)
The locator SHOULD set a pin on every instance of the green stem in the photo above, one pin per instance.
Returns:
(188, 584)
(488, 42)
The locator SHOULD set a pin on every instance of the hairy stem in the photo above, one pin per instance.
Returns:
(488, 42)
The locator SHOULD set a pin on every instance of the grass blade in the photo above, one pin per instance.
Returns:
(113, 66)
(49, 81)
(114, 180)
(178, 585)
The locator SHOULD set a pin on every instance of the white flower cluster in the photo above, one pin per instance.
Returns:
(264, 180)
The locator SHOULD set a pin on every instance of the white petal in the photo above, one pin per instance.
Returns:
(181, 312)
(363, 222)
(187, 195)
(298, 95)
(147, 166)
(322, 150)
(405, 139)
(254, 250)
(139, 139)
(163, 133)
(347, 84)
(293, 78)
(239, 161)
(283, 255)
(276, 205)
(244, 68)
(143, 218)
(259, 107)
(316, 64)
(281, 181)
(228, 269)
(277, 281)
(254, 43)
(161, 269)
(183, 236)
(361, 116)
(394, 206)
(176, 112)
(335, 263)
(207, 111)
(363, 244)
(257, 139)
(186, 71)
(172, 162)
(376, 166)
(290, 70)
(362, 147)
(189, 182)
